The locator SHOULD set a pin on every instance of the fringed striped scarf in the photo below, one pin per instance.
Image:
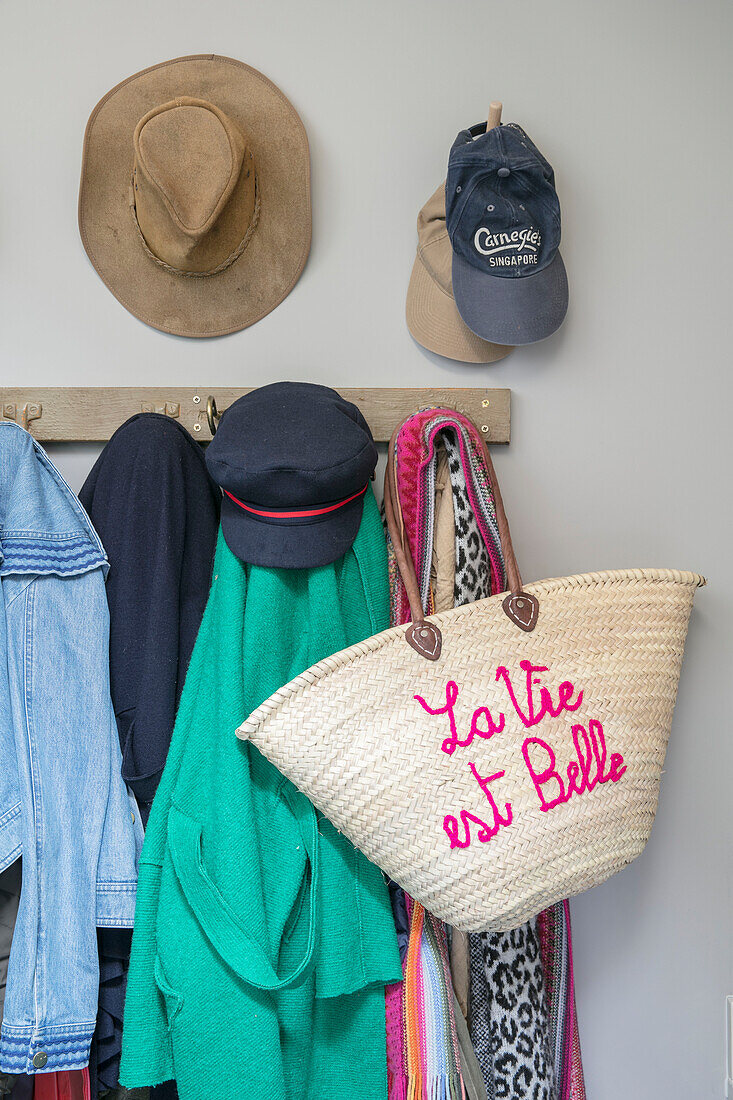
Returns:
(431, 1045)
(422, 1057)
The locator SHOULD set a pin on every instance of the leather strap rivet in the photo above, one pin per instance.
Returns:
(522, 609)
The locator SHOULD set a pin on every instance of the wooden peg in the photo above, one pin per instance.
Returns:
(494, 115)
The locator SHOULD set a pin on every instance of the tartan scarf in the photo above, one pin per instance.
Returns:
(414, 1069)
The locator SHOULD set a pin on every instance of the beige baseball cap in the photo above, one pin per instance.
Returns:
(432, 315)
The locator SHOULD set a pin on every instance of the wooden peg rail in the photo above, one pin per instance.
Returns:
(91, 414)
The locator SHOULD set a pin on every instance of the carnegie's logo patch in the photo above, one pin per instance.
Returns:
(519, 248)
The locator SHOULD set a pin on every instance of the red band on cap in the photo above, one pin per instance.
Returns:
(296, 515)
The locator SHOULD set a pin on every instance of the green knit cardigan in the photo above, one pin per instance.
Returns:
(263, 939)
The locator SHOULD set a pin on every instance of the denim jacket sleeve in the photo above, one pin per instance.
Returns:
(78, 830)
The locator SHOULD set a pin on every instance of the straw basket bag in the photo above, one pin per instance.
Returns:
(498, 757)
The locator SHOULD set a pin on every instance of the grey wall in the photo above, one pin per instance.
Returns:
(621, 435)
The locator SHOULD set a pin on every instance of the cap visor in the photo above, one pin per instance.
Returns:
(434, 321)
(511, 311)
(281, 546)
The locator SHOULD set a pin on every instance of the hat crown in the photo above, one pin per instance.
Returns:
(190, 157)
(433, 246)
(194, 186)
(502, 210)
(431, 219)
(292, 444)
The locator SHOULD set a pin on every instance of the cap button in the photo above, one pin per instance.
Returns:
(503, 173)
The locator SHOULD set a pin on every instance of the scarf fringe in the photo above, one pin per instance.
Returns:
(397, 1087)
(444, 1086)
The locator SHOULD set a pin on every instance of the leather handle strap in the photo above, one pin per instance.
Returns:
(423, 636)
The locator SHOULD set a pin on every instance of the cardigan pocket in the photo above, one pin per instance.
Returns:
(218, 920)
(173, 1000)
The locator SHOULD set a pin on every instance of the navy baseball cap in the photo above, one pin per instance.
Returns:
(293, 461)
(503, 219)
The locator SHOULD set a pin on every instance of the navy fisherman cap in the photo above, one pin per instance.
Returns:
(294, 462)
(503, 219)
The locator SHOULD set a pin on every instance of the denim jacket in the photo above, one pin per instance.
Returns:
(63, 804)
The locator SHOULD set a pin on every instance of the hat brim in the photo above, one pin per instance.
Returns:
(434, 321)
(278, 546)
(273, 260)
(511, 311)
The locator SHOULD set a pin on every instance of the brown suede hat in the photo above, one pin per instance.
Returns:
(194, 203)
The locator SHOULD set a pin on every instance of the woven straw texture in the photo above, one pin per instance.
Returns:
(350, 733)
